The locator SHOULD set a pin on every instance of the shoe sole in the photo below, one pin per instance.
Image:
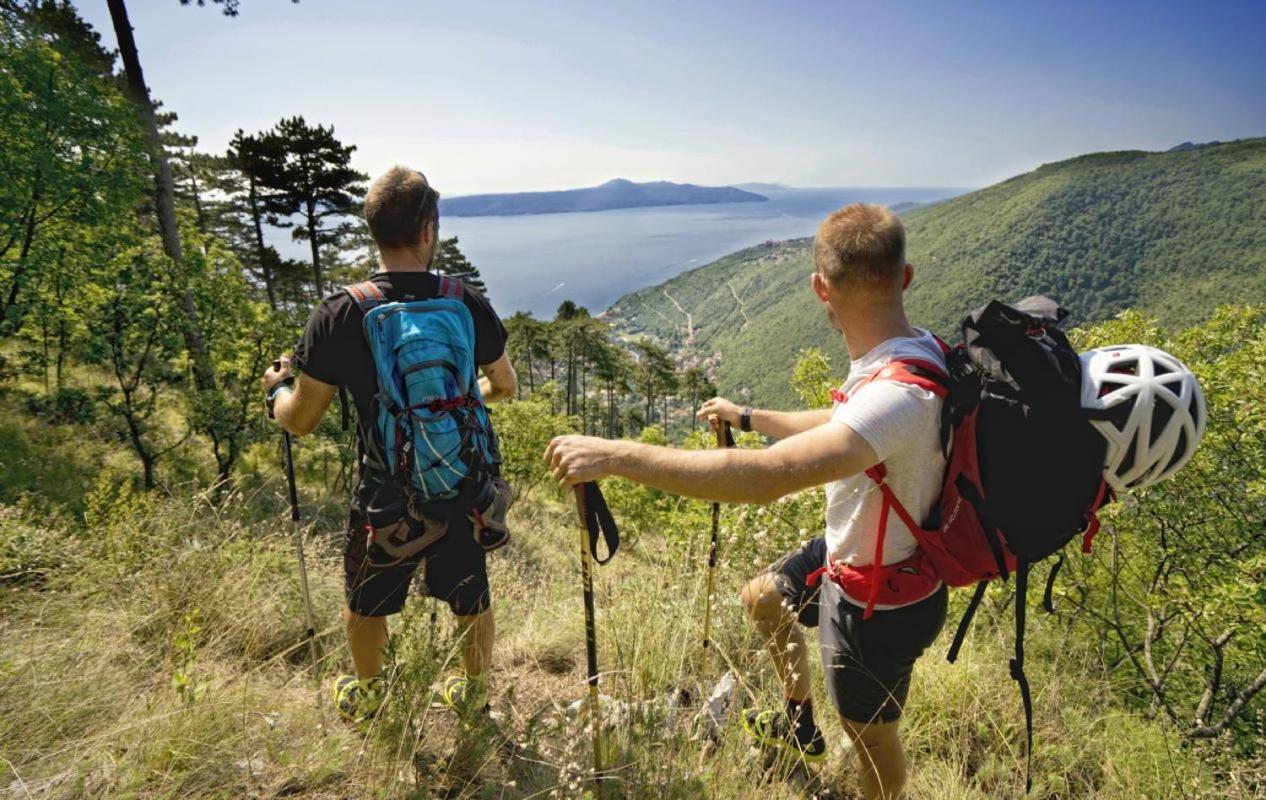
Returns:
(782, 744)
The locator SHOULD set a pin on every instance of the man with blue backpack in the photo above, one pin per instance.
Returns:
(410, 346)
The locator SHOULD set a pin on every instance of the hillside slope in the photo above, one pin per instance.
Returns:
(618, 193)
(1173, 234)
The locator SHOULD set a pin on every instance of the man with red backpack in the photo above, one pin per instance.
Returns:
(879, 454)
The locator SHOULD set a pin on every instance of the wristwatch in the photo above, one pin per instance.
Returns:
(745, 420)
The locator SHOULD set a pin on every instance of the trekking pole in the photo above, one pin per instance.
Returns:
(595, 517)
(298, 537)
(725, 439)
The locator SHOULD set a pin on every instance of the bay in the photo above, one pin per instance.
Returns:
(535, 262)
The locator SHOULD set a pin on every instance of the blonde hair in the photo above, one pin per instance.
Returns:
(861, 245)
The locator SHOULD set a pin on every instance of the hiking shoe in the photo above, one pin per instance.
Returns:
(356, 700)
(465, 695)
(774, 729)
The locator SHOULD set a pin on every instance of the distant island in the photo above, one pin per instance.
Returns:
(618, 193)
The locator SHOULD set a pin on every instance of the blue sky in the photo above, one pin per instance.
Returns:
(505, 96)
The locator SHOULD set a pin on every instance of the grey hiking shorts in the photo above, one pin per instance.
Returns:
(867, 663)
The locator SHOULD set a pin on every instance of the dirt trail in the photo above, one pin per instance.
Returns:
(741, 309)
(690, 325)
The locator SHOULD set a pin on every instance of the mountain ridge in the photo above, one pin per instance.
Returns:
(615, 193)
(1172, 234)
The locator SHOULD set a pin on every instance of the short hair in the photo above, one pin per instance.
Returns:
(398, 205)
(861, 245)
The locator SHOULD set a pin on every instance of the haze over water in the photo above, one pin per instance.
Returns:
(534, 262)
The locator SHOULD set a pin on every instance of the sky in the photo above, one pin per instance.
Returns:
(509, 95)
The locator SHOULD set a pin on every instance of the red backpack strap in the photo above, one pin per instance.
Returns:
(451, 287)
(926, 375)
(930, 377)
(1092, 516)
(366, 294)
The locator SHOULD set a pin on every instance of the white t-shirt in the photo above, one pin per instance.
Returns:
(902, 423)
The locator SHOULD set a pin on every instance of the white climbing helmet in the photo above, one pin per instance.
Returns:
(1166, 412)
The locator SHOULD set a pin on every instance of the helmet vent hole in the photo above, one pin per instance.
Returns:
(1161, 416)
(1160, 369)
(1179, 451)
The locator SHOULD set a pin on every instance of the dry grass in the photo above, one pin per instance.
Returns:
(90, 654)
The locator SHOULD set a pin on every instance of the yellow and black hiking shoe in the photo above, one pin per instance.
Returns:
(465, 695)
(774, 729)
(357, 701)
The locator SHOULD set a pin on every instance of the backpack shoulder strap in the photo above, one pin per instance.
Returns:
(918, 372)
(366, 295)
(451, 287)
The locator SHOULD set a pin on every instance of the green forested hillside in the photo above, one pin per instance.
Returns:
(1173, 234)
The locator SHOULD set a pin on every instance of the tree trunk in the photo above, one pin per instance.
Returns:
(571, 379)
(584, 400)
(531, 386)
(44, 337)
(261, 252)
(610, 411)
(198, 211)
(165, 202)
(19, 270)
(316, 252)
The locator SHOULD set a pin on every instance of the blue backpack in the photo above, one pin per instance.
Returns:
(431, 428)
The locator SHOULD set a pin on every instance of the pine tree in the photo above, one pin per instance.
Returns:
(253, 164)
(318, 184)
(450, 260)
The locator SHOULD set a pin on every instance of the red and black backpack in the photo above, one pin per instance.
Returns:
(1024, 472)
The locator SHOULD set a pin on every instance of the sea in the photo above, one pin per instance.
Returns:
(535, 262)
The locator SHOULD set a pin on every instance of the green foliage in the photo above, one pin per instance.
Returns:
(1168, 234)
(74, 156)
(811, 378)
(524, 428)
(1174, 593)
(450, 260)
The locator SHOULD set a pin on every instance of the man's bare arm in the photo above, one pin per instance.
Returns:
(499, 381)
(815, 457)
(785, 424)
(300, 411)
(776, 424)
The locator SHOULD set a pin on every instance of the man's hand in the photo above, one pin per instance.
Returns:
(579, 459)
(276, 375)
(722, 409)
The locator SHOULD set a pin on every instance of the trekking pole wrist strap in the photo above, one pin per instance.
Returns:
(271, 399)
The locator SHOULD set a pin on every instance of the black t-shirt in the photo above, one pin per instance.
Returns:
(333, 348)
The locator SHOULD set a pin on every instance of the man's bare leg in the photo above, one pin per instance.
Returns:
(366, 638)
(477, 634)
(881, 761)
(783, 637)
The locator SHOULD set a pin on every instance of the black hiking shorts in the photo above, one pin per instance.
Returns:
(455, 570)
(867, 663)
